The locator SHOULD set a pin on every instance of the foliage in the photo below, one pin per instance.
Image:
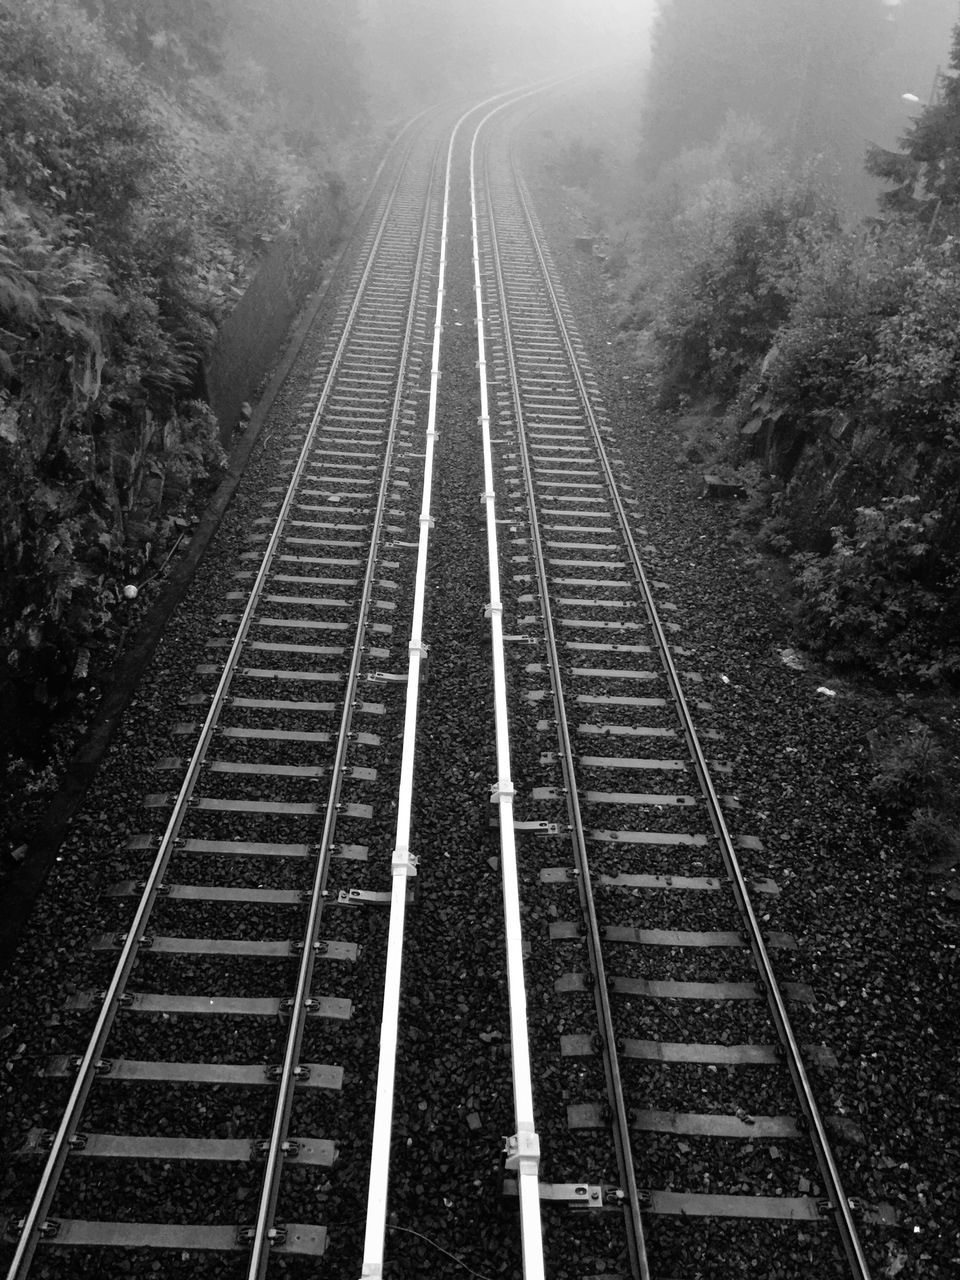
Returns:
(885, 598)
(173, 38)
(925, 173)
(862, 379)
(53, 302)
(910, 767)
(915, 781)
(135, 195)
(915, 373)
(727, 262)
(827, 355)
(81, 442)
(308, 50)
(842, 292)
(78, 138)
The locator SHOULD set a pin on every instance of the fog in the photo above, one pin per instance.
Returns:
(822, 80)
(426, 49)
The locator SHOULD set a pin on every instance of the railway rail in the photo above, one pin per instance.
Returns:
(245, 937)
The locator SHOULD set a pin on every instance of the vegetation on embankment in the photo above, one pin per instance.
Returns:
(813, 354)
(804, 349)
(148, 157)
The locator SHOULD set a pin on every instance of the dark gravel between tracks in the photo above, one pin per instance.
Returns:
(884, 964)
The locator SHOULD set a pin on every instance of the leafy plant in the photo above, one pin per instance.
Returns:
(734, 284)
(935, 835)
(909, 768)
(882, 599)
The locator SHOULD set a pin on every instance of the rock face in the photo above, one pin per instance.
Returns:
(829, 474)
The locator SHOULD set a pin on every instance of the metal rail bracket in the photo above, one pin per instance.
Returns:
(578, 1197)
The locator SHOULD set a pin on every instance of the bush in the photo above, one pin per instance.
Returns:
(872, 336)
(78, 136)
(910, 770)
(885, 597)
(727, 233)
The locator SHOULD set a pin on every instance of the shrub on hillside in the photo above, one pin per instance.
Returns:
(137, 190)
(885, 598)
(96, 448)
(78, 136)
(873, 334)
(727, 234)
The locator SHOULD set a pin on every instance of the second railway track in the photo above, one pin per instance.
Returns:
(239, 1108)
(680, 1040)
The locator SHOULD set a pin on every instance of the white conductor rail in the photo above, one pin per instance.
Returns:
(404, 865)
(523, 1148)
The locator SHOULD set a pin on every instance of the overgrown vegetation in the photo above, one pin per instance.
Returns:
(915, 781)
(146, 160)
(823, 351)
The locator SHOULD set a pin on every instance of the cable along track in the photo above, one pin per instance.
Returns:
(264, 830)
(628, 859)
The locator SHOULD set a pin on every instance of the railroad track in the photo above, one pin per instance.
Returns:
(268, 829)
(242, 1037)
(627, 833)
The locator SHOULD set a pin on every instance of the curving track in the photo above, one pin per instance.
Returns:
(649, 1033)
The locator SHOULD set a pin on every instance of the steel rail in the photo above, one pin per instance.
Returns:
(31, 1226)
(621, 1121)
(820, 1140)
(260, 1244)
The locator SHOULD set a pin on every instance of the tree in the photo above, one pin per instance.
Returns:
(925, 174)
(811, 72)
(169, 37)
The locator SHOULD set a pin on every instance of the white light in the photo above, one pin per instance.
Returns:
(909, 97)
